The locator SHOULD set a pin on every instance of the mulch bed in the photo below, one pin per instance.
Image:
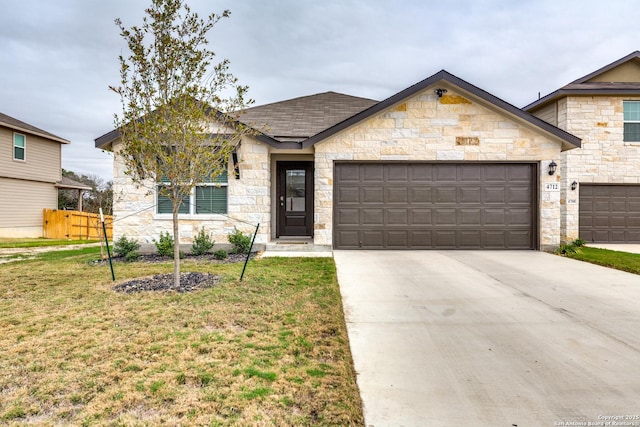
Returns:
(189, 282)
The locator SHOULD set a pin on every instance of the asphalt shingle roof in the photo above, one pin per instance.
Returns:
(297, 119)
(19, 125)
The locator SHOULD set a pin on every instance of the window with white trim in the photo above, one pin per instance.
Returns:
(631, 121)
(205, 199)
(19, 146)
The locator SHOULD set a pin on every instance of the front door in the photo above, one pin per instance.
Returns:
(294, 184)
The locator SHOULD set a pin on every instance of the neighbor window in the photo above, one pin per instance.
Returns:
(206, 198)
(631, 121)
(19, 146)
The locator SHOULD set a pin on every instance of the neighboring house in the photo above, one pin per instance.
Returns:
(600, 183)
(440, 165)
(30, 168)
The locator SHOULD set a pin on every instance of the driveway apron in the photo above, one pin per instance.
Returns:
(491, 338)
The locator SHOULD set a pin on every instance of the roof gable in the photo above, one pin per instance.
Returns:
(21, 126)
(445, 78)
(624, 70)
(621, 77)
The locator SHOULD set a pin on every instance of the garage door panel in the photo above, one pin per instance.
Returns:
(420, 194)
(420, 217)
(442, 194)
(348, 216)
(446, 173)
(397, 173)
(397, 239)
(445, 239)
(469, 194)
(348, 173)
(420, 239)
(373, 239)
(348, 194)
(436, 206)
(372, 195)
(397, 217)
(519, 239)
(520, 194)
(496, 239)
(495, 173)
(519, 217)
(494, 216)
(470, 216)
(373, 173)
(470, 175)
(372, 216)
(421, 173)
(445, 216)
(609, 213)
(493, 195)
(349, 239)
(469, 239)
(396, 195)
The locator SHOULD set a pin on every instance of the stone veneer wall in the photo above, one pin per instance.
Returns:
(248, 200)
(428, 128)
(604, 156)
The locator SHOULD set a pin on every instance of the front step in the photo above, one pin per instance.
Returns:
(291, 247)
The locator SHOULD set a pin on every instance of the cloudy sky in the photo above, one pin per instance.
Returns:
(57, 58)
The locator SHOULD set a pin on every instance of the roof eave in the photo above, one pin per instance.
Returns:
(562, 93)
(50, 137)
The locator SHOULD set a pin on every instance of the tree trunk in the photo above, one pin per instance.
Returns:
(176, 247)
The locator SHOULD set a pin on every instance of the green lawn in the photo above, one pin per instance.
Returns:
(272, 350)
(33, 243)
(619, 260)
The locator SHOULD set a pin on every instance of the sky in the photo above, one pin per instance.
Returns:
(58, 58)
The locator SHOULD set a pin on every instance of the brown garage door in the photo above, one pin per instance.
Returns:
(434, 206)
(610, 213)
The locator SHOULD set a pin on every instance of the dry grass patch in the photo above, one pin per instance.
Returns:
(271, 350)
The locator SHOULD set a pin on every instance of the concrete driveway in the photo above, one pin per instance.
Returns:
(491, 338)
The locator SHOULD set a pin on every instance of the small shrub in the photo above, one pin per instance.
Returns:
(241, 242)
(164, 244)
(566, 248)
(220, 254)
(202, 243)
(126, 248)
(579, 243)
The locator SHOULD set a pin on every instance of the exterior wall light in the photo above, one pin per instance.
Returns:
(440, 92)
(552, 167)
(574, 185)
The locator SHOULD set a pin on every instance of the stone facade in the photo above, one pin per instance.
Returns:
(604, 156)
(248, 201)
(457, 127)
(425, 127)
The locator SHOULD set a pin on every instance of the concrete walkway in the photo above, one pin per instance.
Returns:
(492, 338)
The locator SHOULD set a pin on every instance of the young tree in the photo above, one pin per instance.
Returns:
(178, 124)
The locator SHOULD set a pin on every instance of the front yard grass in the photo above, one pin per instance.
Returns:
(614, 259)
(37, 242)
(272, 350)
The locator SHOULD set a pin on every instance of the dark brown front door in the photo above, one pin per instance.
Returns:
(295, 199)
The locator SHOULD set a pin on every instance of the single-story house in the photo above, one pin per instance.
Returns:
(441, 164)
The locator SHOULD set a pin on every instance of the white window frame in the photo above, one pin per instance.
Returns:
(24, 148)
(637, 141)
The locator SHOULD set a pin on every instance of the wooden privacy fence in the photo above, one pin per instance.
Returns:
(75, 225)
